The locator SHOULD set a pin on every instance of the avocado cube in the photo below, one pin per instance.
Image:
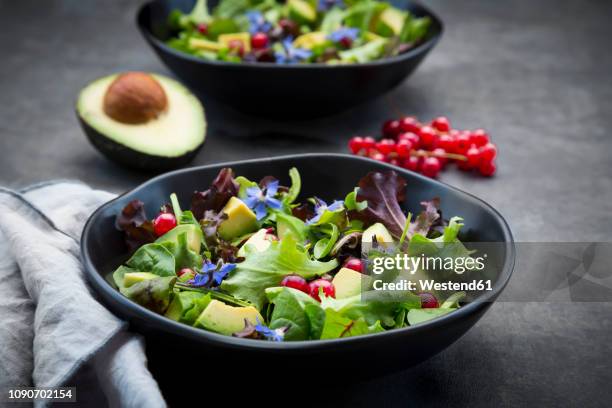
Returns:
(226, 319)
(348, 282)
(131, 278)
(390, 22)
(302, 12)
(240, 220)
(244, 38)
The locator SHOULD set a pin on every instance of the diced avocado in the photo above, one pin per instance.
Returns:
(182, 302)
(240, 220)
(244, 38)
(379, 231)
(302, 12)
(347, 283)
(194, 236)
(310, 40)
(390, 22)
(203, 44)
(257, 241)
(370, 36)
(226, 319)
(131, 278)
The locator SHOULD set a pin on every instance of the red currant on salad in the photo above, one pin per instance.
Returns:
(185, 272)
(355, 264)
(163, 223)
(259, 40)
(322, 284)
(428, 301)
(296, 282)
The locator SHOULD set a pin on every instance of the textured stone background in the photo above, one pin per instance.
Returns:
(536, 74)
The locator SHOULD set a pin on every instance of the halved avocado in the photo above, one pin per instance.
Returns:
(144, 121)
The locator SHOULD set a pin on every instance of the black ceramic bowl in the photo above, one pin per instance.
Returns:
(283, 91)
(328, 176)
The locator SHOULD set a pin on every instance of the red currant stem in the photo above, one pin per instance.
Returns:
(425, 153)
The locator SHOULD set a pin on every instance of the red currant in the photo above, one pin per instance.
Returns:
(327, 286)
(439, 153)
(446, 142)
(473, 157)
(479, 137)
(413, 163)
(355, 264)
(259, 41)
(378, 156)
(163, 223)
(431, 167)
(403, 148)
(488, 152)
(427, 135)
(236, 46)
(203, 28)
(391, 128)
(185, 271)
(393, 161)
(355, 144)
(441, 124)
(462, 143)
(413, 138)
(487, 169)
(386, 146)
(296, 282)
(410, 124)
(428, 301)
(368, 143)
(346, 42)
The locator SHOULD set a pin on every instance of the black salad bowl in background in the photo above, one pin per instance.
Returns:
(176, 350)
(283, 91)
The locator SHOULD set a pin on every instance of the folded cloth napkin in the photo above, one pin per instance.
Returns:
(54, 332)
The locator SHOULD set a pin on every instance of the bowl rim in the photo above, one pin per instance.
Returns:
(104, 288)
(418, 50)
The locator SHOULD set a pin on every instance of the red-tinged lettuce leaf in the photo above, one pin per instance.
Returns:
(221, 190)
(304, 211)
(134, 223)
(428, 218)
(383, 192)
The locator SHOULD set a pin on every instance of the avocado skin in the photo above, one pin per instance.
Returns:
(127, 157)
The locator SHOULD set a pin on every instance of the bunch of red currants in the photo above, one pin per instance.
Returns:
(427, 148)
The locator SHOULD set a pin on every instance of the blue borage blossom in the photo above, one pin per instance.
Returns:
(325, 5)
(270, 334)
(344, 32)
(320, 208)
(260, 200)
(292, 54)
(257, 22)
(211, 274)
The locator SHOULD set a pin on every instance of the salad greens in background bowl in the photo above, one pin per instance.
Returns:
(264, 57)
(237, 307)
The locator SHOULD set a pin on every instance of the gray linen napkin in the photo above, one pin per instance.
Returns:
(54, 332)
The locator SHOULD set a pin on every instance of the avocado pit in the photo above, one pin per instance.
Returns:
(135, 98)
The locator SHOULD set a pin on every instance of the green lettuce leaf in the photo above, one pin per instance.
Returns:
(183, 256)
(154, 258)
(338, 325)
(261, 270)
(154, 294)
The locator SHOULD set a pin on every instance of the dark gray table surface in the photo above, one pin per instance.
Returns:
(536, 74)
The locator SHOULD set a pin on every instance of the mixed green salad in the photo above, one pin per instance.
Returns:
(296, 31)
(248, 260)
